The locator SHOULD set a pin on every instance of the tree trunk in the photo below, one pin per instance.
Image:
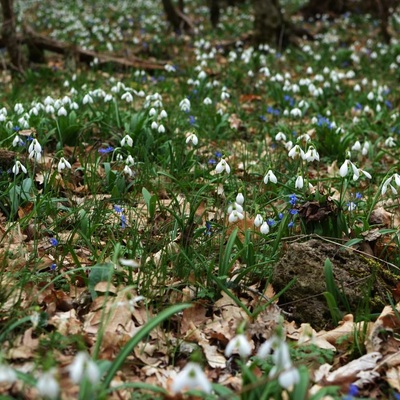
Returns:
(176, 18)
(9, 34)
(268, 22)
(214, 12)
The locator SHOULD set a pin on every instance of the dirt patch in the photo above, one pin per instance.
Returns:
(363, 281)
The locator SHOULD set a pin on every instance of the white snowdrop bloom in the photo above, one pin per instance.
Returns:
(128, 171)
(378, 108)
(7, 374)
(270, 177)
(370, 96)
(239, 343)
(18, 108)
(161, 128)
(235, 206)
(286, 113)
(240, 199)
(87, 99)
(202, 75)
(357, 88)
(296, 151)
(152, 112)
(258, 220)
(389, 142)
(48, 101)
(309, 71)
(48, 386)
(264, 228)
(9, 125)
(289, 377)
(57, 104)
(108, 97)
(299, 182)
(49, 109)
(207, 101)
(169, 68)
(192, 138)
(74, 106)
(154, 125)
(351, 206)
(129, 160)
(23, 123)
(296, 113)
(356, 146)
(83, 367)
(265, 71)
(62, 164)
(17, 167)
(280, 136)
(3, 118)
(163, 114)
(365, 148)
(185, 105)
(235, 216)
(16, 141)
(126, 140)
(288, 145)
(365, 173)
(191, 377)
(225, 95)
(35, 146)
(62, 112)
(344, 169)
(34, 110)
(127, 96)
(311, 154)
(222, 166)
(66, 100)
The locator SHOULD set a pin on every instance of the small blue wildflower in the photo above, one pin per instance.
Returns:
(108, 149)
(263, 118)
(123, 221)
(293, 211)
(389, 104)
(54, 242)
(280, 216)
(288, 98)
(218, 154)
(53, 267)
(358, 196)
(212, 161)
(292, 199)
(358, 106)
(29, 138)
(192, 119)
(118, 209)
(353, 390)
(290, 224)
(208, 228)
(271, 222)
(16, 128)
(397, 396)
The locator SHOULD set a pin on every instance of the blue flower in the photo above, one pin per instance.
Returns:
(263, 119)
(54, 242)
(16, 128)
(358, 106)
(123, 221)
(353, 390)
(218, 154)
(118, 209)
(292, 199)
(212, 161)
(388, 104)
(290, 224)
(271, 222)
(53, 267)
(358, 196)
(280, 216)
(192, 120)
(108, 149)
(208, 228)
(293, 211)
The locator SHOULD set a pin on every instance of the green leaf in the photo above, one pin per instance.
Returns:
(99, 273)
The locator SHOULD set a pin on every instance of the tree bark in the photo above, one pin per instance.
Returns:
(268, 23)
(9, 33)
(214, 12)
(176, 18)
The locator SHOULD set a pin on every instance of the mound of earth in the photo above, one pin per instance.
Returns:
(364, 282)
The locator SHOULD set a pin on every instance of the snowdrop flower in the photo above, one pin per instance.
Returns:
(387, 183)
(18, 108)
(191, 377)
(48, 386)
(240, 199)
(16, 141)
(192, 138)
(356, 146)
(280, 136)
(154, 125)
(128, 171)
(17, 167)
(127, 140)
(49, 109)
(299, 182)
(62, 112)
(264, 228)
(289, 377)
(152, 112)
(161, 128)
(296, 112)
(235, 206)
(389, 142)
(127, 97)
(370, 96)
(239, 343)
(35, 150)
(108, 97)
(222, 166)
(163, 114)
(224, 95)
(235, 216)
(185, 105)
(74, 106)
(48, 101)
(62, 164)
(129, 160)
(296, 151)
(207, 101)
(270, 177)
(258, 220)
(7, 374)
(311, 155)
(169, 68)
(87, 99)
(84, 367)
